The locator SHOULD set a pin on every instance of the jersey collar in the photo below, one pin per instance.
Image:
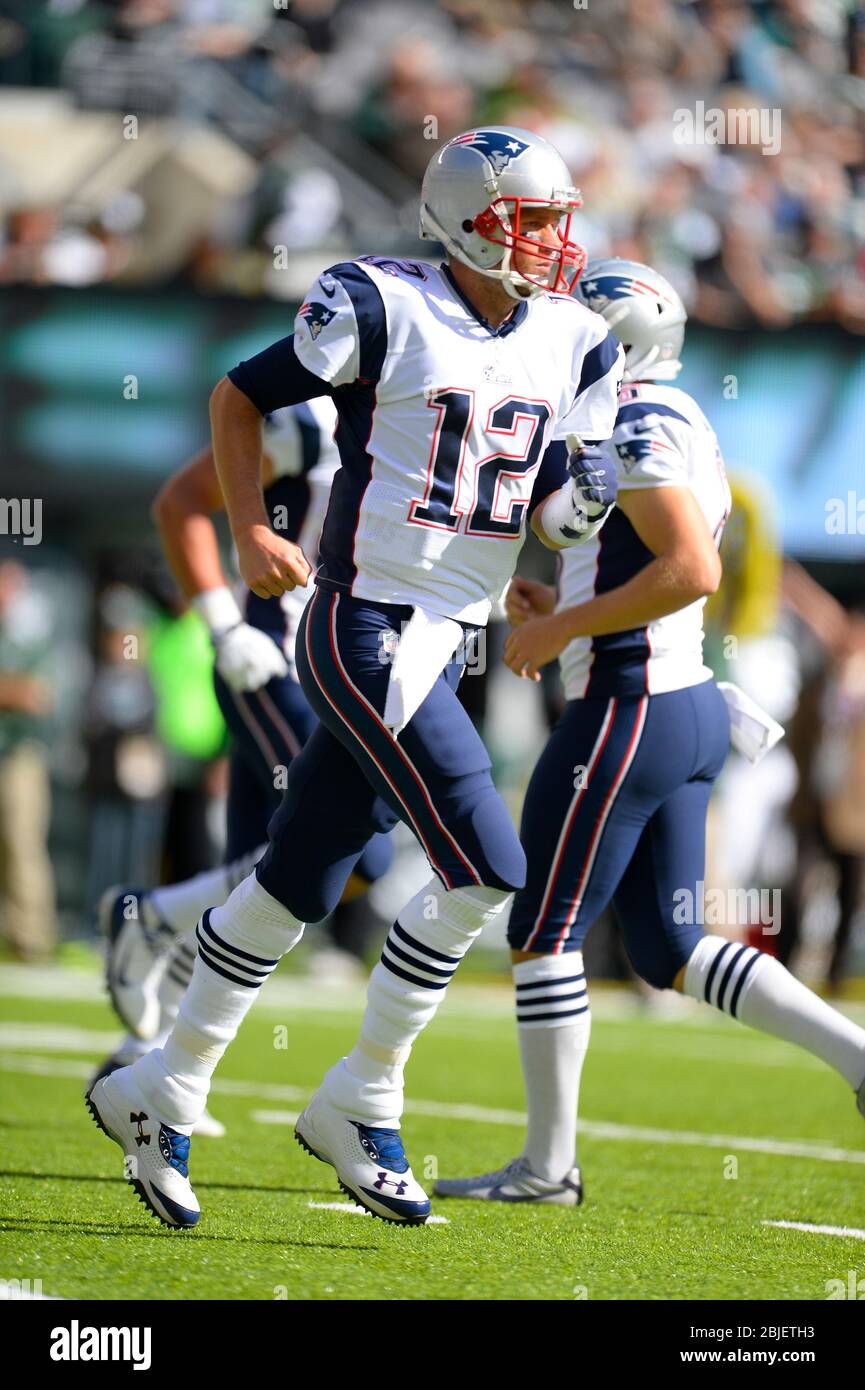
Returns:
(512, 322)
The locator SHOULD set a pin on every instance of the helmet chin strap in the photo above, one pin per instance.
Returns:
(512, 282)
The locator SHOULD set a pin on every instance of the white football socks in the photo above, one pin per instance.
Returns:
(180, 905)
(758, 990)
(422, 951)
(239, 947)
(553, 1025)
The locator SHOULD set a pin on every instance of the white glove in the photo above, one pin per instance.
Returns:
(246, 658)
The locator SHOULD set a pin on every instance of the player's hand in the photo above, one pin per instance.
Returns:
(594, 476)
(247, 658)
(527, 598)
(270, 566)
(533, 644)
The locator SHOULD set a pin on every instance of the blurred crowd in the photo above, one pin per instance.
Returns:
(327, 112)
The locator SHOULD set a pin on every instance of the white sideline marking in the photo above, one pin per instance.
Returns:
(359, 1211)
(53, 1037)
(597, 1129)
(851, 1231)
(49, 1037)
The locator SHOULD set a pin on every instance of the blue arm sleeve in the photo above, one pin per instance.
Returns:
(552, 473)
(276, 377)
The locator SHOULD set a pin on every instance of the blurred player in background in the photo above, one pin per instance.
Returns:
(449, 383)
(151, 933)
(616, 807)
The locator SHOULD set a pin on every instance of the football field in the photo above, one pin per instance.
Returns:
(699, 1137)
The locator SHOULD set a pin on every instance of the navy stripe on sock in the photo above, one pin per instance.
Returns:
(227, 960)
(545, 984)
(729, 972)
(414, 979)
(409, 940)
(550, 999)
(734, 1002)
(226, 974)
(233, 950)
(418, 964)
(707, 991)
(182, 980)
(540, 1018)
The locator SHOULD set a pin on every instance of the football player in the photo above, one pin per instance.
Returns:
(449, 383)
(151, 933)
(616, 807)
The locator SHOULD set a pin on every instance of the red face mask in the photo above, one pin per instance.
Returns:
(559, 266)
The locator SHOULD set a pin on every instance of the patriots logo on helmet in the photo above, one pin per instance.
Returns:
(317, 316)
(497, 146)
(608, 287)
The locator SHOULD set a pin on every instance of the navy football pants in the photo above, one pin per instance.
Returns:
(616, 809)
(353, 778)
(269, 727)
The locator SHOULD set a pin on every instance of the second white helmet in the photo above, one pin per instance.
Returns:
(474, 194)
(643, 310)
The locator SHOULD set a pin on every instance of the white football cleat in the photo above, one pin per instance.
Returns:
(515, 1182)
(207, 1127)
(371, 1166)
(136, 959)
(156, 1156)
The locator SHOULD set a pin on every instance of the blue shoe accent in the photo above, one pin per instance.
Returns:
(174, 1148)
(384, 1146)
(180, 1216)
(411, 1212)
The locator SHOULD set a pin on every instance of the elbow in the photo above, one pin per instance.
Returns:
(228, 399)
(220, 395)
(712, 576)
(162, 507)
(704, 577)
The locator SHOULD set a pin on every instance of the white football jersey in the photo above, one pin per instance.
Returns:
(443, 425)
(298, 441)
(661, 439)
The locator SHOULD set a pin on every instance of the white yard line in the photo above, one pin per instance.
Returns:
(482, 1114)
(626, 1134)
(468, 1000)
(852, 1232)
(734, 1048)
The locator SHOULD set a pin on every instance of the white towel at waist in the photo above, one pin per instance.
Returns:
(752, 731)
(425, 647)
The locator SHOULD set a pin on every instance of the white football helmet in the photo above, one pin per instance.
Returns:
(475, 190)
(643, 310)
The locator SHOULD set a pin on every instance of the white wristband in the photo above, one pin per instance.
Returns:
(218, 608)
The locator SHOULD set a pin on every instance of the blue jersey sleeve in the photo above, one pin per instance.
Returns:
(276, 377)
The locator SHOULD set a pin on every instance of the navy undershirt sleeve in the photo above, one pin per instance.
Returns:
(276, 377)
(551, 475)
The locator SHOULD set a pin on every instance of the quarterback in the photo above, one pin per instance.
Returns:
(450, 385)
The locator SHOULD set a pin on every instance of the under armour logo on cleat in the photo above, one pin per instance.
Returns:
(382, 1180)
(141, 1137)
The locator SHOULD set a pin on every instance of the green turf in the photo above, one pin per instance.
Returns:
(660, 1221)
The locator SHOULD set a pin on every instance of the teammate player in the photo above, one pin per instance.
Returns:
(449, 384)
(616, 807)
(151, 934)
